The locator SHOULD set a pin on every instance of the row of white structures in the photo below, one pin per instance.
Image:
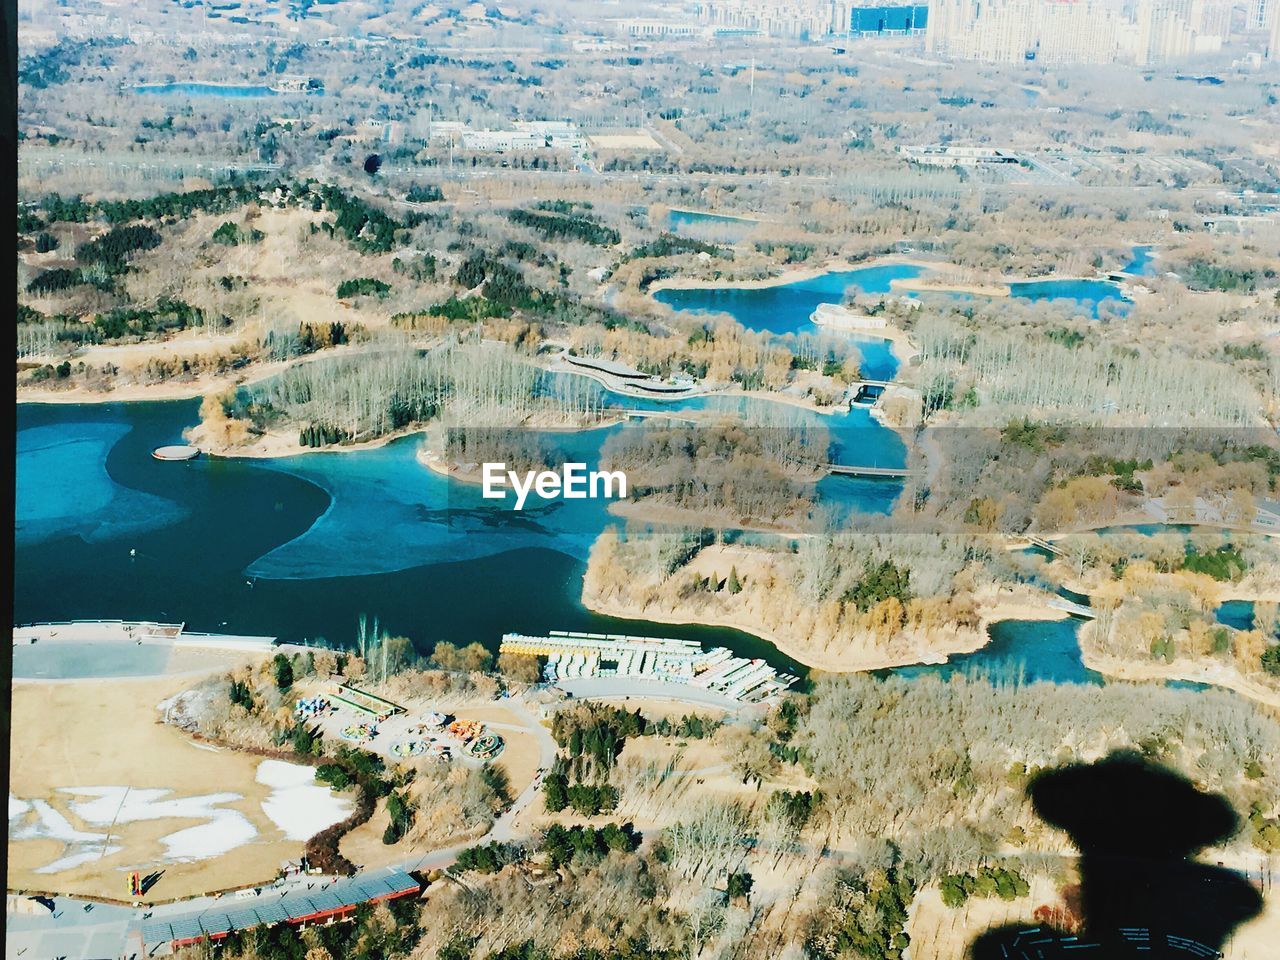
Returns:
(574, 655)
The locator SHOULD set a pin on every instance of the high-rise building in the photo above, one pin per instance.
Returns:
(1005, 31)
(1077, 31)
(1273, 40)
(1258, 14)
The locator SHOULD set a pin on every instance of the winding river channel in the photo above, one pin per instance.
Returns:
(300, 547)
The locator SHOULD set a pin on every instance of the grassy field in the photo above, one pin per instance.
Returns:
(95, 733)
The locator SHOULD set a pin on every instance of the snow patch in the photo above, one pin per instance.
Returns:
(223, 831)
(17, 807)
(75, 859)
(51, 825)
(229, 829)
(298, 805)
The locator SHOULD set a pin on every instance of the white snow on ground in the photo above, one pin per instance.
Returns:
(222, 830)
(226, 831)
(50, 825)
(298, 805)
(81, 855)
(125, 805)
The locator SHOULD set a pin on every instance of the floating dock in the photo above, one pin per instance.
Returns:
(572, 656)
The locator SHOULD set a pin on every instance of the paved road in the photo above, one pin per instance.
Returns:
(70, 931)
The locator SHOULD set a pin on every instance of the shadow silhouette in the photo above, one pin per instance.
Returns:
(150, 880)
(1136, 826)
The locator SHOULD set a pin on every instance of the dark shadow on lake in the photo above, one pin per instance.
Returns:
(1136, 826)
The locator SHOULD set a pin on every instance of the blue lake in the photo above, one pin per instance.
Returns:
(687, 222)
(785, 308)
(1142, 262)
(1236, 613)
(1020, 651)
(301, 547)
(193, 89)
(1088, 294)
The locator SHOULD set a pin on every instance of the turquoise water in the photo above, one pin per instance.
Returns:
(785, 308)
(65, 488)
(296, 548)
(1020, 651)
(301, 547)
(1142, 262)
(205, 90)
(1087, 294)
(1236, 613)
(686, 222)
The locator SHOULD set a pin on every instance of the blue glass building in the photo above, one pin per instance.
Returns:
(870, 21)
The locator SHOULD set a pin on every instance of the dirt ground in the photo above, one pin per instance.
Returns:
(108, 733)
(363, 846)
(940, 933)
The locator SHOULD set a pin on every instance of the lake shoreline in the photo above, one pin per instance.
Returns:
(789, 276)
(961, 642)
(1119, 668)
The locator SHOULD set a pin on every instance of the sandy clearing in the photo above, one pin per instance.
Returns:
(92, 733)
(519, 758)
(639, 140)
(940, 933)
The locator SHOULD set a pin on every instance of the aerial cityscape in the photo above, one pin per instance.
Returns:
(583, 480)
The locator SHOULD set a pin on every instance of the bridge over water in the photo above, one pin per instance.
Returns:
(855, 470)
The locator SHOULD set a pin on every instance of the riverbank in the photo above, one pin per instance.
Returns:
(941, 285)
(190, 389)
(1179, 670)
(632, 598)
(277, 443)
(934, 649)
(663, 514)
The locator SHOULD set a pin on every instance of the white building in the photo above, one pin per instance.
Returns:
(500, 140)
(653, 29)
(936, 155)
